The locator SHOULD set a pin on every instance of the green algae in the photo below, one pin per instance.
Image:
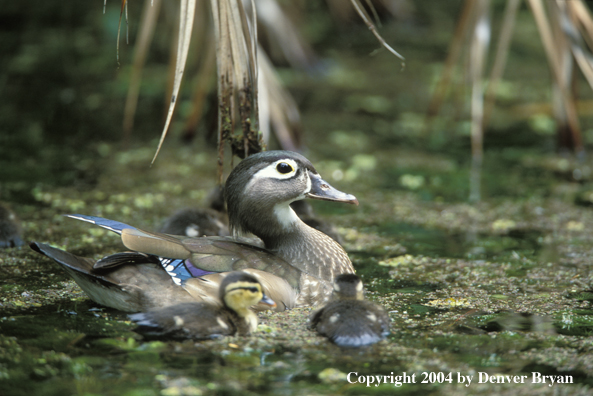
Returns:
(502, 286)
(454, 308)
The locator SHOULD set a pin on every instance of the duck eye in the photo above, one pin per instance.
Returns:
(284, 168)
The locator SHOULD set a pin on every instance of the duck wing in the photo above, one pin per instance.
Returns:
(137, 283)
(210, 254)
(198, 264)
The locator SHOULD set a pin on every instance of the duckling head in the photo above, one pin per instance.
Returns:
(348, 287)
(239, 291)
(260, 189)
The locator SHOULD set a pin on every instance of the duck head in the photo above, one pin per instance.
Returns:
(348, 287)
(260, 189)
(240, 291)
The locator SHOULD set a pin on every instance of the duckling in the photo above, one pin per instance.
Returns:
(238, 292)
(294, 263)
(349, 320)
(10, 228)
(195, 222)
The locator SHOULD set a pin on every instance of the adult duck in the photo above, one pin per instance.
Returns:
(295, 263)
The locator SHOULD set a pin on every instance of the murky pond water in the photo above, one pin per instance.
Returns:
(501, 287)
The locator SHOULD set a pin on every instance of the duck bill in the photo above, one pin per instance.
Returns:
(320, 189)
(267, 301)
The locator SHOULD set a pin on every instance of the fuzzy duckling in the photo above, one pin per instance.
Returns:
(238, 292)
(196, 222)
(10, 229)
(349, 320)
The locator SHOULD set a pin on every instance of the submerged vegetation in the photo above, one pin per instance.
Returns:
(503, 287)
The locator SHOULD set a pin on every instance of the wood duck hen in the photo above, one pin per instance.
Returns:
(349, 320)
(238, 292)
(295, 263)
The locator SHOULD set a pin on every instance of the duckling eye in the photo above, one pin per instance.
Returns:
(284, 168)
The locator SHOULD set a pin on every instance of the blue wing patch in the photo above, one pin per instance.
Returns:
(111, 225)
(181, 270)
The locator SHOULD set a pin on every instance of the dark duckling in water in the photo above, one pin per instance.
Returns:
(349, 320)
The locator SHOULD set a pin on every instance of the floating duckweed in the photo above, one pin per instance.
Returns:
(265, 328)
(365, 162)
(181, 391)
(170, 187)
(144, 201)
(399, 260)
(100, 195)
(118, 198)
(542, 124)
(185, 170)
(351, 174)
(143, 155)
(575, 226)
(97, 232)
(451, 302)
(330, 375)
(413, 182)
(503, 225)
(375, 104)
(88, 239)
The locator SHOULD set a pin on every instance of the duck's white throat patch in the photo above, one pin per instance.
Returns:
(285, 215)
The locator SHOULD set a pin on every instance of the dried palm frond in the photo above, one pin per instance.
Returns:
(186, 20)
(579, 30)
(367, 19)
(459, 36)
(278, 109)
(401, 9)
(237, 73)
(147, 25)
(237, 76)
(124, 8)
(205, 82)
(558, 54)
(284, 36)
(565, 29)
(500, 59)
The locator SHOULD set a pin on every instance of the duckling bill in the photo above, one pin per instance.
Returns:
(295, 265)
(238, 292)
(349, 320)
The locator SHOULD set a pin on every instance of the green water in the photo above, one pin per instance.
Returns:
(503, 286)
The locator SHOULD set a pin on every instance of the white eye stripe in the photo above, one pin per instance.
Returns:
(271, 171)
